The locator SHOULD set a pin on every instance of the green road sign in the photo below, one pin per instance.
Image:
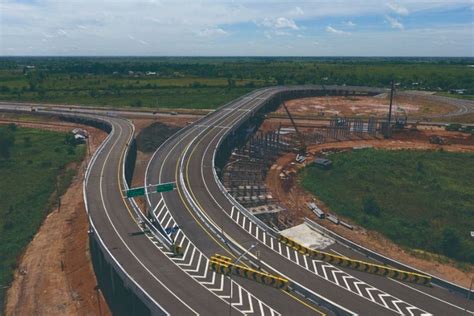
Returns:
(135, 192)
(165, 187)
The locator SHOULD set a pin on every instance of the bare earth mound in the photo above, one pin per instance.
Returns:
(55, 275)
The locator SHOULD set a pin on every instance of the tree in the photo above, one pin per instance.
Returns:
(450, 243)
(69, 139)
(137, 103)
(370, 206)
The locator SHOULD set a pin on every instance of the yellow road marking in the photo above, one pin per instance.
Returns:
(202, 209)
(304, 303)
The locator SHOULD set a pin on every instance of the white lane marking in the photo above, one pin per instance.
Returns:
(160, 175)
(213, 279)
(241, 301)
(433, 297)
(198, 265)
(219, 289)
(188, 263)
(305, 261)
(238, 212)
(168, 223)
(297, 257)
(250, 310)
(161, 210)
(206, 270)
(120, 237)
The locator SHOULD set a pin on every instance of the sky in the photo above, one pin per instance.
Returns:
(236, 28)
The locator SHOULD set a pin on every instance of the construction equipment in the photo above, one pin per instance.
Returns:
(302, 149)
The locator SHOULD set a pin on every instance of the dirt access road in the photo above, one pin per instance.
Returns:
(351, 106)
(55, 275)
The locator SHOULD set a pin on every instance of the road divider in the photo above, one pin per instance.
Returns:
(358, 264)
(222, 264)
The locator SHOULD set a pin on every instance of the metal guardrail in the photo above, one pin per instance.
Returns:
(381, 258)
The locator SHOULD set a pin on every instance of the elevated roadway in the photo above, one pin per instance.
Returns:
(210, 223)
(207, 216)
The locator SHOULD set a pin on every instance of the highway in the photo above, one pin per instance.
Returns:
(209, 223)
(188, 160)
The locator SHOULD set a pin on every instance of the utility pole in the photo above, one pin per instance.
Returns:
(469, 294)
(232, 270)
(390, 109)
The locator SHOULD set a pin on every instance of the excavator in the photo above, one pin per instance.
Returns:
(302, 145)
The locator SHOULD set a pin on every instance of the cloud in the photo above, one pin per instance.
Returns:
(282, 33)
(297, 11)
(330, 29)
(280, 23)
(183, 27)
(211, 32)
(350, 23)
(394, 23)
(398, 8)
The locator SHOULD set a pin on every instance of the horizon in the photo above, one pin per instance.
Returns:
(235, 56)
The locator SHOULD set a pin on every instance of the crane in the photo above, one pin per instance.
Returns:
(302, 148)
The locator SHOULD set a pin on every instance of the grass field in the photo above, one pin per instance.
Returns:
(195, 82)
(419, 199)
(28, 186)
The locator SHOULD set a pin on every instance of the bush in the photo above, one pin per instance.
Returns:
(136, 103)
(450, 243)
(370, 206)
(12, 127)
(7, 139)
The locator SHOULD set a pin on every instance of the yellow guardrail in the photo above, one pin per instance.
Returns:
(222, 264)
(358, 264)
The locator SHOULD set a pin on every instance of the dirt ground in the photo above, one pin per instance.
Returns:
(364, 106)
(142, 157)
(294, 197)
(55, 274)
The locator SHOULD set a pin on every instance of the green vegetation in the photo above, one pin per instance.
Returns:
(210, 82)
(418, 199)
(32, 175)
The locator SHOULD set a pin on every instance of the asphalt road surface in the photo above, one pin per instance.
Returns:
(209, 223)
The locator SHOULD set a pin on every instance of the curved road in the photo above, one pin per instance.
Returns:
(211, 220)
(209, 223)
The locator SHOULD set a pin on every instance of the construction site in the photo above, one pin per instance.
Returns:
(261, 173)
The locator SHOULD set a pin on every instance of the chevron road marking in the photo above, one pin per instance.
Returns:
(327, 271)
(195, 263)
